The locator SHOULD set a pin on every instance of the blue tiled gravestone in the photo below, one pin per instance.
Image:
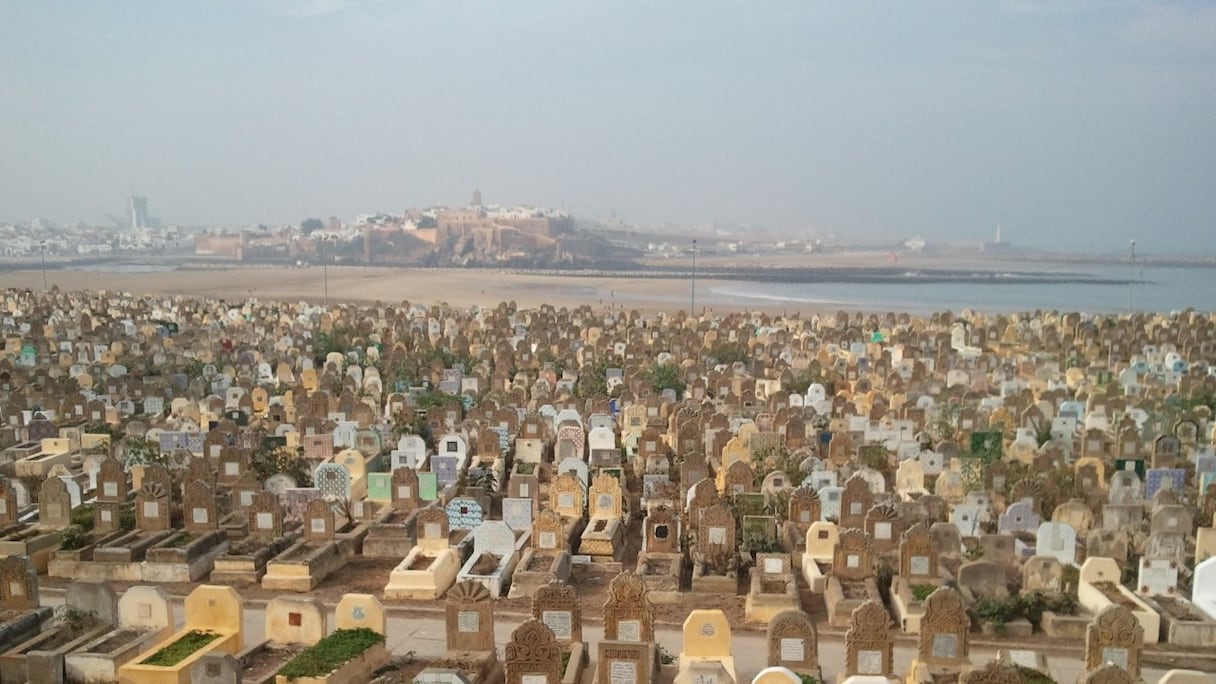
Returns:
(464, 513)
(1157, 479)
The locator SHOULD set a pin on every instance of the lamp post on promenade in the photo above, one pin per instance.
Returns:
(1131, 282)
(692, 297)
(42, 250)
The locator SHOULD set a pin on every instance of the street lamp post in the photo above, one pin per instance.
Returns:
(1131, 282)
(692, 297)
(42, 250)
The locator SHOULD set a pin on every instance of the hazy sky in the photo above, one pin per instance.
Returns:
(1084, 122)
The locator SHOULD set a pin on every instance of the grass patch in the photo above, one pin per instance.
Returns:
(525, 468)
(181, 649)
(181, 540)
(331, 653)
(565, 661)
(920, 592)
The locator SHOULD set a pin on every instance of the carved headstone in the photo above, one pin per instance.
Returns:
(469, 617)
(556, 604)
(627, 612)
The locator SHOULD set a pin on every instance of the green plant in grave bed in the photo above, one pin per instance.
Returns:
(920, 592)
(83, 516)
(181, 649)
(1032, 676)
(74, 537)
(181, 540)
(332, 652)
(565, 661)
(808, 679)
(665, 656)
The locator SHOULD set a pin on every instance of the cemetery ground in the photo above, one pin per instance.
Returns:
(416, 631)
(850, 496)
(416, 639)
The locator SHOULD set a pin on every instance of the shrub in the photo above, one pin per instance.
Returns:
(83, 516)
(1030, 606)
(332, 652)
(74, 537)
(666, 377)
(920, 592)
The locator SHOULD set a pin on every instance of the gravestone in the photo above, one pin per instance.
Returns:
(152, 508)
(1058, 540)
(9, 509)
(18, 584)
(96, 598)
(628, 615)
(1114, 637)
(943, 630)
(661, 532)
(319, 522)
(793, 642)
(716, 531)
(917, 559)
(265, 516)
(533, 655)
(517, 513)
(55, 504)
(360, 611)
(464, 513)
(556, 604)
(1158, 577)
(469, 618)
(549, 531)
(852, 559)
(295, 620)
(625, 662)
(404, 491)
(566, 496)
(867, 643)
(216, 668)
(1042, 573)
(199, 508)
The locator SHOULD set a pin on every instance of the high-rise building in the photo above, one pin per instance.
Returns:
(138, 211)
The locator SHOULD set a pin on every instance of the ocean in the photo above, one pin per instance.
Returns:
(1159, 289)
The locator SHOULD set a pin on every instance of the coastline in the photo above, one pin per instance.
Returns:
(808, 287)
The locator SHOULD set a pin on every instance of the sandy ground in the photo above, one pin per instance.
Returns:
(457, 287)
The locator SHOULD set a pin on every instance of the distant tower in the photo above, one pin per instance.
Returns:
(998, 233)
(476, 199)
(137, 208)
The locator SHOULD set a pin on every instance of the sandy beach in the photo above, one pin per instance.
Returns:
(457, 287)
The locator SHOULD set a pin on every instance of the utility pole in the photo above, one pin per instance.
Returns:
(1131, 282)
(692, 297)
(42, 250)
(325, 269)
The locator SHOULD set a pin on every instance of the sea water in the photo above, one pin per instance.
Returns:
(1156, 289)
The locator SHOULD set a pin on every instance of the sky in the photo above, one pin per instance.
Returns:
(1078, 124)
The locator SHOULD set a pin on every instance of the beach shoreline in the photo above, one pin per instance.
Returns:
(825, 286)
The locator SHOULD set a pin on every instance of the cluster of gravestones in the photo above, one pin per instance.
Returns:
(984, 453)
